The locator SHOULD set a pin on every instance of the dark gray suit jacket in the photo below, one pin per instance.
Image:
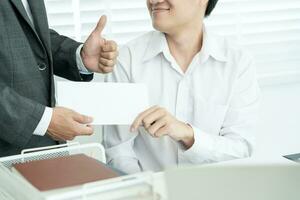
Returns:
(29, 56)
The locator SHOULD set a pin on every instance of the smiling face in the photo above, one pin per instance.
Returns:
(171, 15)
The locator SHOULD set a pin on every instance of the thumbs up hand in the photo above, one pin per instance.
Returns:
(98, 54)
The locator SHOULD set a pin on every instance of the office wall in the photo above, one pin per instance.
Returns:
(279, 126)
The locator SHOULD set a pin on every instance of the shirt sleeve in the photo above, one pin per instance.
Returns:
(236, 137)
(82, 69)
(118, 140)
(118, 143)
(43, 125)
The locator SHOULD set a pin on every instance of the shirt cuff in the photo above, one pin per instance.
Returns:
(123, 158)
(43, 125)
(82, 69)
(201, 149)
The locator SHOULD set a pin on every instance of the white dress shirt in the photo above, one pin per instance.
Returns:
(218, 96)
(43, 125)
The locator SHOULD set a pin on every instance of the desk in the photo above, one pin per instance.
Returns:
(161, 189)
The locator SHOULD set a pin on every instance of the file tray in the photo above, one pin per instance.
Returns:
(93, 150)
(130, 187)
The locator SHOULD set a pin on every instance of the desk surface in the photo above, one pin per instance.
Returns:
(161, 189)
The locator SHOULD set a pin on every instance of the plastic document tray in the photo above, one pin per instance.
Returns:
(130, 187)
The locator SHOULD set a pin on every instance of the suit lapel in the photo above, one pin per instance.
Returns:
(19, 6)
(39, 16)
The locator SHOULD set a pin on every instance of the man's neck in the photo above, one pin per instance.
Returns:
(184, 44)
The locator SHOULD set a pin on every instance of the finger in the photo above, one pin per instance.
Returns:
(91, 126)
(161, 132)
(101, 24)
(152, 117)
(106, 62)
(156, 126)
(104, 69)
(138, 120)
(110, 55)
(82, 129)
(110, 46)
(83, 119)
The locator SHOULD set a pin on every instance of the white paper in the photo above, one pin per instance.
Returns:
(107, 103)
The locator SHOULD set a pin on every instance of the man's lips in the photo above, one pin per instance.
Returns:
(154, 10)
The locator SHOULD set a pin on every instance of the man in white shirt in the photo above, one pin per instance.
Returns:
(205, 90)
(30, 55)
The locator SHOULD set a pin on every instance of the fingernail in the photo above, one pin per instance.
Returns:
(90, 119)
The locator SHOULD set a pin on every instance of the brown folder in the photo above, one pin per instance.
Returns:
(64, 171)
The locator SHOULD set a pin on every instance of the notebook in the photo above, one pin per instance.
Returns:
(63, 172)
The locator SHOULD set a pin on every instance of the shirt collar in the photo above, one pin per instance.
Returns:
(211, 47)
(156, 45)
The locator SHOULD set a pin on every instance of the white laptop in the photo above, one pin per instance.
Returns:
(263, 182)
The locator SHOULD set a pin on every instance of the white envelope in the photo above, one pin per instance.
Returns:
(107, 103)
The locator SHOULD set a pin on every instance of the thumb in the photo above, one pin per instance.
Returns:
(101, 24)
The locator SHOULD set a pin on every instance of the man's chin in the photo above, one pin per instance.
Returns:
(160, 27)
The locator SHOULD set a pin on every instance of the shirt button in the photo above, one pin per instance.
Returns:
(42, 66)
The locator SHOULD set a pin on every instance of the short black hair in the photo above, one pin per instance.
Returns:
(210, 6)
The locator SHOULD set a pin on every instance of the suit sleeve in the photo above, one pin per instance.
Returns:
(64, 58)
(19, 116)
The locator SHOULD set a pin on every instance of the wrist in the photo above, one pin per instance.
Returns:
(188, 139)
(81, 53)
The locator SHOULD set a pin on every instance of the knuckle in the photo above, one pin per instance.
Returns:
(110, 62)
(145, 122)
(106, 62)
(111, 56)
(103, 61)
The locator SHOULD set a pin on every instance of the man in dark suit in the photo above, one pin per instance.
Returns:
(30, 54)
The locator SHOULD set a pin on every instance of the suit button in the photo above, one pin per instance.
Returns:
(42, 66)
